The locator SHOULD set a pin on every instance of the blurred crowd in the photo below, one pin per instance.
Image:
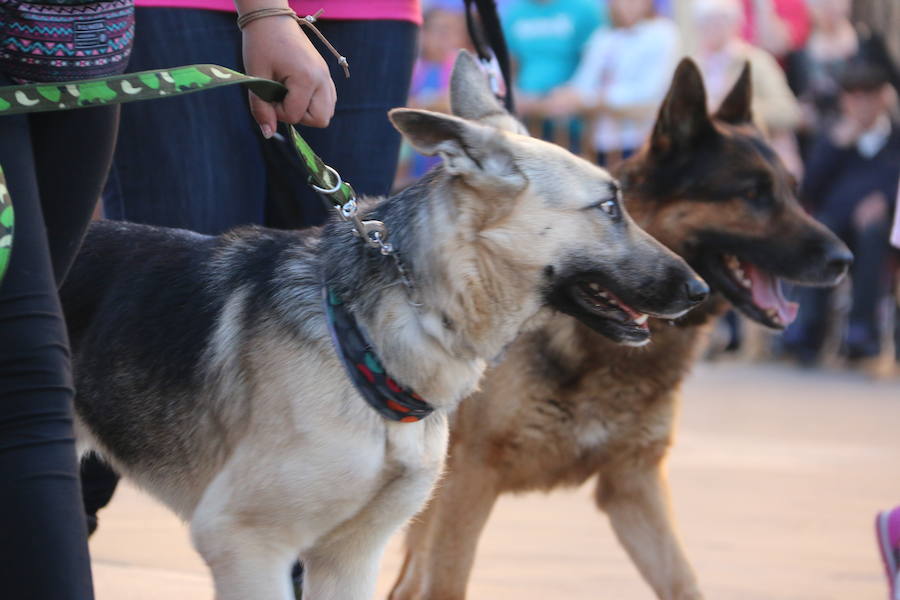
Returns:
(590, 75)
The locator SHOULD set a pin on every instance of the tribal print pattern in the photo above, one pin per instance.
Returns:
(53, 42)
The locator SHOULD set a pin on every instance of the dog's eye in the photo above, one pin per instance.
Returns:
(760, 195)
(611, 207)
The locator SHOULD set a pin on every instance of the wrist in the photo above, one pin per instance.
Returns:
(245, 6)
(270, 14)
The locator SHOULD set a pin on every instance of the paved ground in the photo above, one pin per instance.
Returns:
(776, 476)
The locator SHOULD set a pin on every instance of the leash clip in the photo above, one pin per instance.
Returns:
(373, 233)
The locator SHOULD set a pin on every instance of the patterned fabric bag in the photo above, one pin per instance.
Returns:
(65, 40)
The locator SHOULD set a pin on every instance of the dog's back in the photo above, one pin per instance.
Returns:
(144, 306)
(112, 249)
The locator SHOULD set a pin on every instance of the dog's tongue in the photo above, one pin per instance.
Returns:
(767, 293)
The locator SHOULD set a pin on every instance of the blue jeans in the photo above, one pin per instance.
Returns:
(199, 162)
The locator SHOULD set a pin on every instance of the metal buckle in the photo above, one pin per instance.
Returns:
(332, 190)
(375, 234)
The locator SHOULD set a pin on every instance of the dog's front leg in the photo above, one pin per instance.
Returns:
(246, 561)
(442, 540)
(344, 566)
(636, 498)
(246, 529)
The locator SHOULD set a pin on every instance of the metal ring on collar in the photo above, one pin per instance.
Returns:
(332, 190)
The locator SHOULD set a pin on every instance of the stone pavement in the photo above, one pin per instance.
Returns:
(776, 477)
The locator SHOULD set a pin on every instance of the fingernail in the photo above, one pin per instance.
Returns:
(266, 131)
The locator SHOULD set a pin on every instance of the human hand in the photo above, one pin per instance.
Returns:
(276, 48)
(871, 210)
(528, 105)
(561, 102)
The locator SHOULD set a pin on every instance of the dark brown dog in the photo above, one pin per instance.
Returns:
(566, 403)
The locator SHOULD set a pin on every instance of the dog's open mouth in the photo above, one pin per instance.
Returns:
(756, 292)
(626, 323)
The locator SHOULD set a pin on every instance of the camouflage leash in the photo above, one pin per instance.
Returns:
(7, 218)
(164, 83)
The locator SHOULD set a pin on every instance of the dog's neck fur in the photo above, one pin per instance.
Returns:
(470, 307)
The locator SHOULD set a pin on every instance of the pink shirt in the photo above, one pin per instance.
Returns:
(357, 10)
(792, 12)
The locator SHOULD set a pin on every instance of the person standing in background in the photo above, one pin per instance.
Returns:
(443, 34)
(198, 161)
(851, 177)
(776, 26)
(895, 231)
(546, 40)
(721, 54)
(622, 79)
(814, 70)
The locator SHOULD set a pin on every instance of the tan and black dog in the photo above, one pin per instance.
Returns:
(269, 386)
(566, 403)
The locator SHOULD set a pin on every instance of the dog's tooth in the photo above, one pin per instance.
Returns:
(732, 261)
(746, 283)
(595, 287)
(604, 295)
(641, 319)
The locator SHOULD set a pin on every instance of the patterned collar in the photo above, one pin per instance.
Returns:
(385, 395)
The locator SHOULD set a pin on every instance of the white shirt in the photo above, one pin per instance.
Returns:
(875, 138)
(627, 67)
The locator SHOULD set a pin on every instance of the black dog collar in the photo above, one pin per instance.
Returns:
(385, 395)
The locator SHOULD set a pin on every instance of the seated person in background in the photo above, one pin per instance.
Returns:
(814, 69)
(776, 26)
(622, 78)
(721, 54)
(443, 34)
(546, 39)
(895, 230)
(851, 177)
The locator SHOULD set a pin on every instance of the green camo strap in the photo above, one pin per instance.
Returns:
(150, 85)
(6, 225)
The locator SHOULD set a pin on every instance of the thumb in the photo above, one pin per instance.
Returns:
(264, 114)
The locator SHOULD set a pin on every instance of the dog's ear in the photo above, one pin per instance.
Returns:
(471, 96)
(468, 149)
(683, 120)
(737, 108)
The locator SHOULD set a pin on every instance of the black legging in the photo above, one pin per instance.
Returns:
(55, 165)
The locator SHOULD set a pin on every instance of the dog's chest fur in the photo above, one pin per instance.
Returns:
(565, 402)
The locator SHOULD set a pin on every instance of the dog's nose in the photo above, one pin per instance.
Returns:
(837, 261)
(696, 289)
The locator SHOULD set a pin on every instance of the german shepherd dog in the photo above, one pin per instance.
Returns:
(206, 372)
(566, 403)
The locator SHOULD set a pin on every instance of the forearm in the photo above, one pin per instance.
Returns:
(637, 111)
